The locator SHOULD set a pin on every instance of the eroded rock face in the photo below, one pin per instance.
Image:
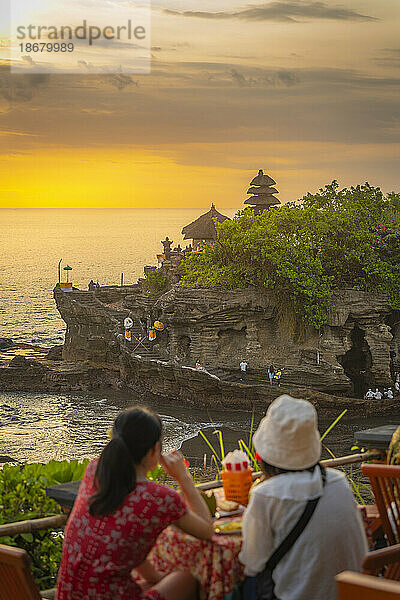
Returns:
(358, 347)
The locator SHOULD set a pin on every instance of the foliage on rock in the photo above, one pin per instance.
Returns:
(23, 497)
(302, 251)
(155, 282)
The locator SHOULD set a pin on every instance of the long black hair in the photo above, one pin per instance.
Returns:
(271, 471)
(134, 433)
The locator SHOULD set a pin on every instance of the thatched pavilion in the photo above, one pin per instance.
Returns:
(202, 231)
(263, 193)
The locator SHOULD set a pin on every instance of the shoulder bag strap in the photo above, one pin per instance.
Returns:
(297, 530)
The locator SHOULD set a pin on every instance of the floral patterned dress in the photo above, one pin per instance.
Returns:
(100, 552)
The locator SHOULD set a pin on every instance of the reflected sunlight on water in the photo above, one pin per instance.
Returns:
(99, 244)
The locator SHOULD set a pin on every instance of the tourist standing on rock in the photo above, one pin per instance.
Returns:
(119, 514)
(243, 370)
(369, 395)
(271, 373)
(277, 377)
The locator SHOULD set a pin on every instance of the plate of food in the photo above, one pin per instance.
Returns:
(228, 527)
(227, 508)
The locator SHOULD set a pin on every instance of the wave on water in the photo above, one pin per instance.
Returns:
(37, 427)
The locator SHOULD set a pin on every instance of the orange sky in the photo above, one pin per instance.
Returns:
(308, 96)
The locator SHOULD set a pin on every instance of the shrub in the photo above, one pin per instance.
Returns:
(302, 251)
(23, 497)
(155, 282)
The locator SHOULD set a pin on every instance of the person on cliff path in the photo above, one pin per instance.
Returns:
(243, 370)
(277, 377)
(369, 395)
(271, 373)
(118, 515)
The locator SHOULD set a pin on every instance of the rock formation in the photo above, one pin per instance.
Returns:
(358, 347)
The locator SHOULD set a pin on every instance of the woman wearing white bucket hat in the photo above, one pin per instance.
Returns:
(298, 491)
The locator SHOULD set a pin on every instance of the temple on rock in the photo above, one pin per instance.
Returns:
(263, 193)
(202, 231)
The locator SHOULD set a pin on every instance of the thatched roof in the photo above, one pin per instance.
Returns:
(263, 193)
(263, 200)
(203, 228)
(262, 179)
(262, 189)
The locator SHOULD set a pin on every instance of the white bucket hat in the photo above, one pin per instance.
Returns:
(288, 436)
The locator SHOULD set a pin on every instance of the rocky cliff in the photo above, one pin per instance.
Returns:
(358, 347)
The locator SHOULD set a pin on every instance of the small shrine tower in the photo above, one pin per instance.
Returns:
(263, 193)
(202, 231)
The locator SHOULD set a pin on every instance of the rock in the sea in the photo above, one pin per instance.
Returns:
(357, 348)
(55, 353)
(7, 459)
(19, 362)
(5, 343)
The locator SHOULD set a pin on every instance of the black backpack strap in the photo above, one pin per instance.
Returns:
(297, 530)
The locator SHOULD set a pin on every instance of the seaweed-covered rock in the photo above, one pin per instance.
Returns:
(55, 353)
(5, 343)
(19, 362)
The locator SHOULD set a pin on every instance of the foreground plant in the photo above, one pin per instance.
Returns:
(23, 497)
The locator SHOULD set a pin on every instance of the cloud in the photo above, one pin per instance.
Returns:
(21, 88)
(291, 12)
(277, 79)
(390, 57)
(122, 81)
(29, 60)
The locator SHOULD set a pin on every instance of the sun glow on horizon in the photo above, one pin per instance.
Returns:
(91, 178)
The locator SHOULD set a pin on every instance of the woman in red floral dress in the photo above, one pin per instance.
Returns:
(119, 514)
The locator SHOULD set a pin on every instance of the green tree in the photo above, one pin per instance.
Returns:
(303, 250)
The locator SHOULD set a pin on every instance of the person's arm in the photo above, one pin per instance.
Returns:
(197, 521)
(148, 572)
(258, 542)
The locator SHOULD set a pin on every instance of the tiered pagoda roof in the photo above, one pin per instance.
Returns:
(263, 193)
(203, 228)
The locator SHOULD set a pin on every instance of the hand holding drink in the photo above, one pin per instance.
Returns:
(174, 465)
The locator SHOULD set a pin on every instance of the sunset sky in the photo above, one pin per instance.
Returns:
(306, 90)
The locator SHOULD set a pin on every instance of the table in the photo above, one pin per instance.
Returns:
(377, 437)
(64, 493)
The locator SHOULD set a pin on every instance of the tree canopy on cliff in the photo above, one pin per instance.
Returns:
(302, 251)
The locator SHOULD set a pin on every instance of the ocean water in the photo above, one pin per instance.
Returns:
(38, 427)
(98, 244)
